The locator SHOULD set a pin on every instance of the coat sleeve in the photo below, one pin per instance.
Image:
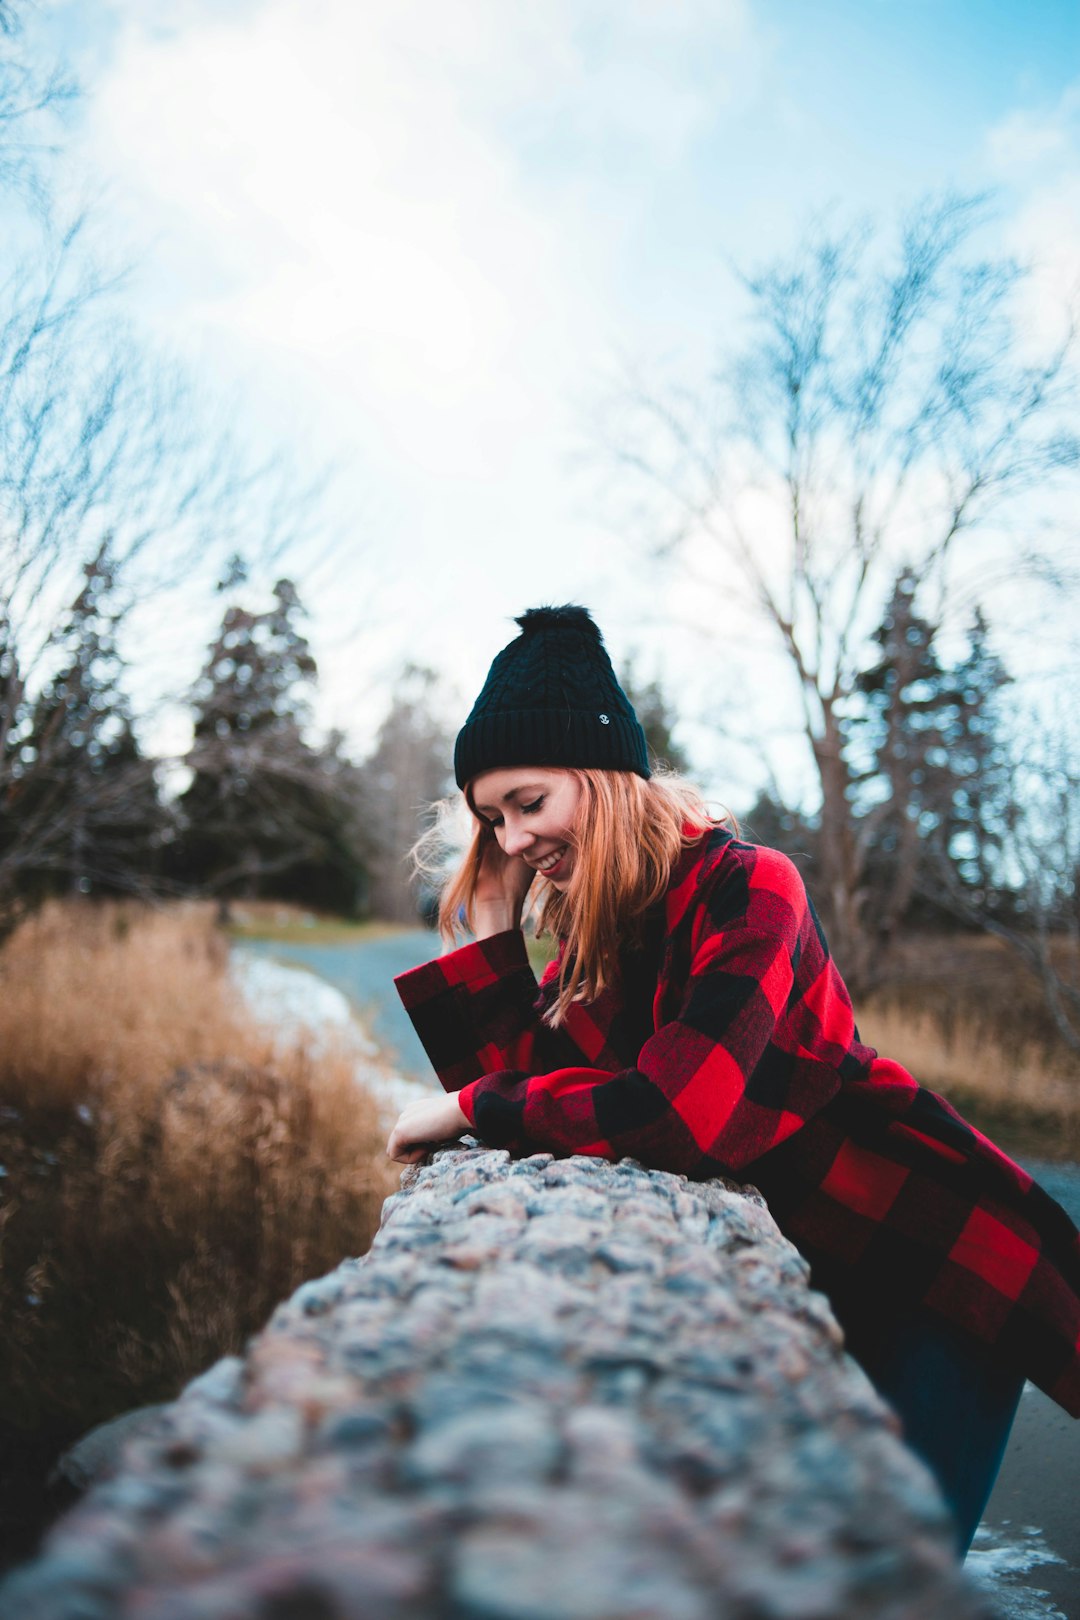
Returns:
(712, 1089)
(475, 1011)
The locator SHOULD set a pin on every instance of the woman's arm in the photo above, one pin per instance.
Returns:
(710, 1092)
(475, 1008)
(475, 1011)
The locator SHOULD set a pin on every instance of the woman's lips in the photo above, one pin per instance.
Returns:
(548, 866)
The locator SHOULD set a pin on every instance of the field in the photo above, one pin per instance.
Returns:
(271, 919)
(168, 1176)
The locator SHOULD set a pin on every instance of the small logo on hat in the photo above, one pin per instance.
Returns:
(604, 721)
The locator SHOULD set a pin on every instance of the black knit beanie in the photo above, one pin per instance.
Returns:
(551, 698)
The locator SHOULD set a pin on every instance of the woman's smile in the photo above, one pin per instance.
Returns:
(548, 864)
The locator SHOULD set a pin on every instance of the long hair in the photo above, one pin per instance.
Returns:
(627, 838)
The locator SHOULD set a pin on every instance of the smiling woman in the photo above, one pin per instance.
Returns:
(694, 1020)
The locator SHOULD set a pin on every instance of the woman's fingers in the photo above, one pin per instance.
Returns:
(501, 876)
(405, 1155)
(421, 1124)
(404, 1144)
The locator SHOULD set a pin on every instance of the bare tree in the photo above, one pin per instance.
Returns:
(405, 775)
(883, 414)
(31, 97)
(116, 472)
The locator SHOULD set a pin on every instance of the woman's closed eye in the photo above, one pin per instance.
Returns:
(523, 809)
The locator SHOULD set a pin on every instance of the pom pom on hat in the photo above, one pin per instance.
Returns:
(569, 616)
(551, 698)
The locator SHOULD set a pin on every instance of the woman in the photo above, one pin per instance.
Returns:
(695, 1021)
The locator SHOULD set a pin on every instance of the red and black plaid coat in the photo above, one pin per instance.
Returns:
(728, 1047)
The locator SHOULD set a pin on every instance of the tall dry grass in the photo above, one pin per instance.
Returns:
(168, 1177)
(969, 1021)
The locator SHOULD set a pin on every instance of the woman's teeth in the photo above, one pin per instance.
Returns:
(550, 861)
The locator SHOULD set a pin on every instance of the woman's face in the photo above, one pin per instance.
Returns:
(533, 811)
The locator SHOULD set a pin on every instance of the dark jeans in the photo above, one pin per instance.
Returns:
(956, 1407)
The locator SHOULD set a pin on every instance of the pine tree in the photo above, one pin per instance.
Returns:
(769, 821)
(974, 828)
(658, 720)
(81, 809)
(920, 738)
(266, 812)
(334, 872)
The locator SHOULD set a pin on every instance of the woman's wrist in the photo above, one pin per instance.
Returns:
(494, 917)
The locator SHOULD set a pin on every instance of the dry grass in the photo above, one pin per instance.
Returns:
(168, 1178)
(970, 1067)
(969, 1022)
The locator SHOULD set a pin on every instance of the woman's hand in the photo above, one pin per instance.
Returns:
(423, 1123)
(501, 886)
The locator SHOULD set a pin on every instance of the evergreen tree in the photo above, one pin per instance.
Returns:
(265, 812)
(920, 738)
(768, 821)
(334, 872)
(12, 714)
(974, 829)
(81, 809)
(658, 720)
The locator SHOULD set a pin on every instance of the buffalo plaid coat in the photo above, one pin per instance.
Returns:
(727, 1047)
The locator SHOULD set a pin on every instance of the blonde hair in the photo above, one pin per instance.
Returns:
(628, 836)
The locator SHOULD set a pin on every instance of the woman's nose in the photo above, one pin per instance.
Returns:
(518, 839)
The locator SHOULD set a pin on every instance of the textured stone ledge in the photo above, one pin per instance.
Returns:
(553, 1389)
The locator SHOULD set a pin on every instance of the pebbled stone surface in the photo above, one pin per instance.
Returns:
(554, 1390)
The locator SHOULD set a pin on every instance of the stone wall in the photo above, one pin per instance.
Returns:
(553, 1389)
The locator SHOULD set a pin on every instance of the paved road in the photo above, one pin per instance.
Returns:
(1029, 1544)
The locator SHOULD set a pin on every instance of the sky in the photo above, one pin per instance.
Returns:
(425, 237)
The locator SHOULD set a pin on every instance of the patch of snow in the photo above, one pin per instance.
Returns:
(995, 1563)
(298, 1005)
(292, 1001)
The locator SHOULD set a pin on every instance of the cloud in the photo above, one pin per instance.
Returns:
(416, 224)
(404, 195)
(1034, 137)
(1034, 153)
